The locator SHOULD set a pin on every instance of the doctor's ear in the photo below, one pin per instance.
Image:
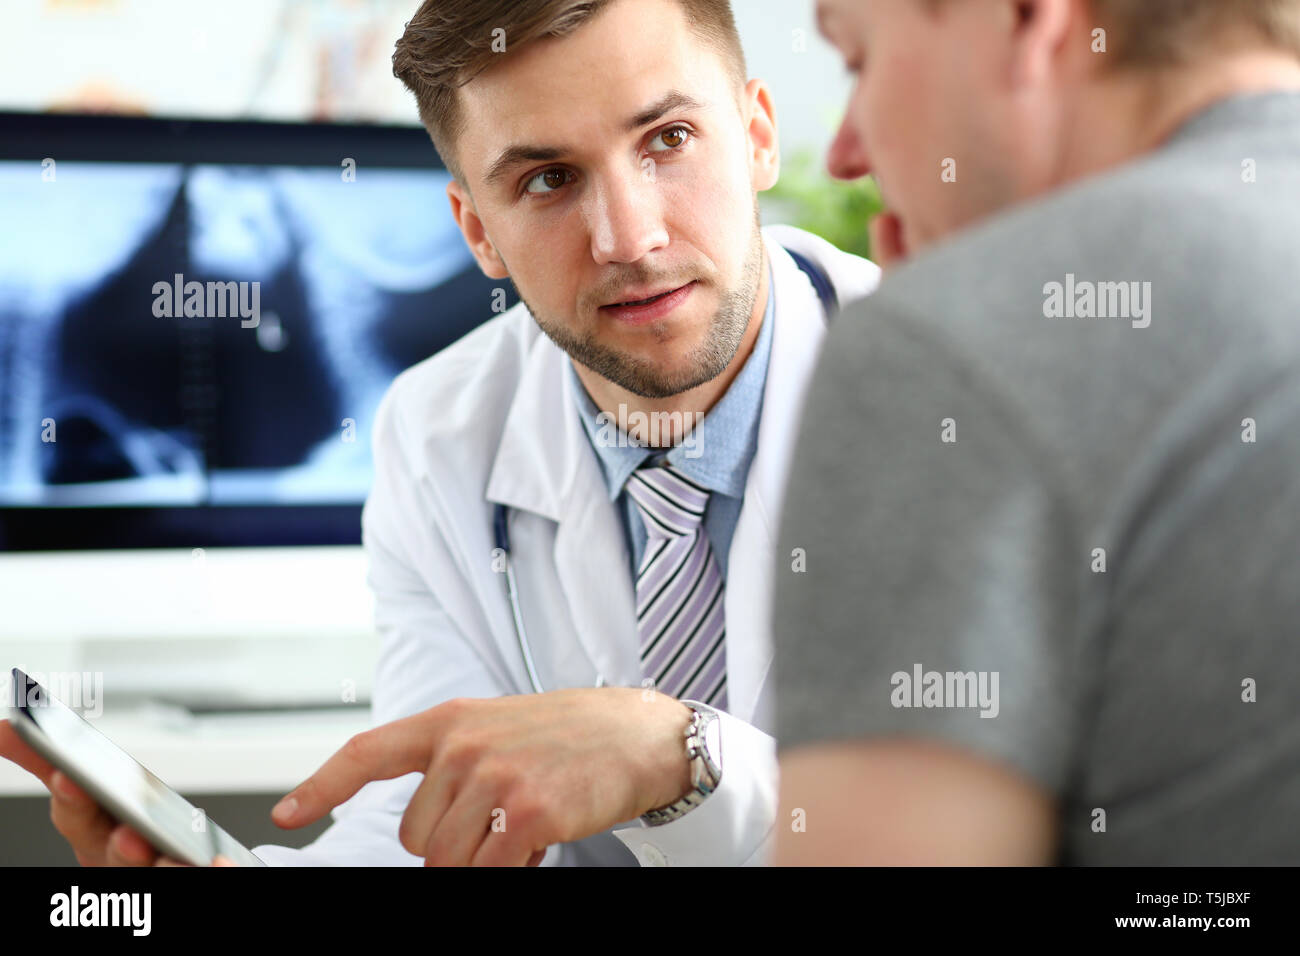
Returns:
(759, 115)
(462, 210)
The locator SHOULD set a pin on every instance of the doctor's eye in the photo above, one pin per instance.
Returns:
(674, 137)
(552, 179)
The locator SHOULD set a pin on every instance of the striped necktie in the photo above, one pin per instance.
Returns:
(679, 590)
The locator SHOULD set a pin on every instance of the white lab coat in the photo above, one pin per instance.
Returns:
(492, 419)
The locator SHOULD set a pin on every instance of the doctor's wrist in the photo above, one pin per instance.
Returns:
(668, 772)
(700, 748)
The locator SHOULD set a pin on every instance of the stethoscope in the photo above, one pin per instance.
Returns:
(501, 513)
(501, 537)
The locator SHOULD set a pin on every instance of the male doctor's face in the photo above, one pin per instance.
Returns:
(614, 166)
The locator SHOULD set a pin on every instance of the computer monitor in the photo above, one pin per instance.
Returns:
(198, 319)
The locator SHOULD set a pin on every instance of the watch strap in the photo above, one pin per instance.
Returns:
(706, 768)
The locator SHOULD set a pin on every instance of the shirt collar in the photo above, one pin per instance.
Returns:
(724, 442)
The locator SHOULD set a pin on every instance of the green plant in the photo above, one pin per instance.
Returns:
(808, 197)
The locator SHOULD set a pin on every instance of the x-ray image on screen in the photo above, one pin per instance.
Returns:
(71, 251)
(202, 334)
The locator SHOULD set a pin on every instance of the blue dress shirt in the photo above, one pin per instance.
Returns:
(727, 439)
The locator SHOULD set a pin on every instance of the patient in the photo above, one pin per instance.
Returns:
(1049, 480)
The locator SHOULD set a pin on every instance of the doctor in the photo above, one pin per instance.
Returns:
(638, 189)
(519, 538)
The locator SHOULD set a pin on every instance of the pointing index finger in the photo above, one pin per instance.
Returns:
(381, 753)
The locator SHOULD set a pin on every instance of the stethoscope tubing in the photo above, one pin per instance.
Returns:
(501, 535)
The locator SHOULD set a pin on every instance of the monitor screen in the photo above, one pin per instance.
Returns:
(198, 320)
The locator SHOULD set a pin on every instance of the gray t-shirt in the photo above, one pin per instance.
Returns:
(995, 426)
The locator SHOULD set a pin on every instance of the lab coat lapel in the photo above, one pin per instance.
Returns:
(594, 567)
(798, 328)
(545, 465)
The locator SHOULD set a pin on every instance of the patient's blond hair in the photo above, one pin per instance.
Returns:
(1174, 32)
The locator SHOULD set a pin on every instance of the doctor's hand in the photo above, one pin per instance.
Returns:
(95, 837)
(507, 777)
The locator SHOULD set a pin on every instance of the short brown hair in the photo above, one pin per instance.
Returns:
(449, 42)
(1154, 33)
(1172, 32)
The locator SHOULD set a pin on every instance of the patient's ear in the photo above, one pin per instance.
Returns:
(462, 210)
(1042, 30)
(764, 142)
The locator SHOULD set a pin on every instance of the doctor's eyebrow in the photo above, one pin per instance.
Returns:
(512, 156)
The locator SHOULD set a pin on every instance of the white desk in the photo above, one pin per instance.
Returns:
(225, 753)
(243, 627)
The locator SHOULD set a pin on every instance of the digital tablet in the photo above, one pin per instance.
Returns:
(125, 789)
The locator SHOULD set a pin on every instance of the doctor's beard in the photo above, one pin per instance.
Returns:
(725, 333)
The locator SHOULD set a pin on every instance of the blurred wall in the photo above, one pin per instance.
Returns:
(316, 59)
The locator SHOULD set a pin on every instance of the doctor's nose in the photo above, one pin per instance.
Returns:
(847, 158)
(625, 217)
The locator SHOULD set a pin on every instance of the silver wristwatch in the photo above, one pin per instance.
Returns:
(704, 751)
